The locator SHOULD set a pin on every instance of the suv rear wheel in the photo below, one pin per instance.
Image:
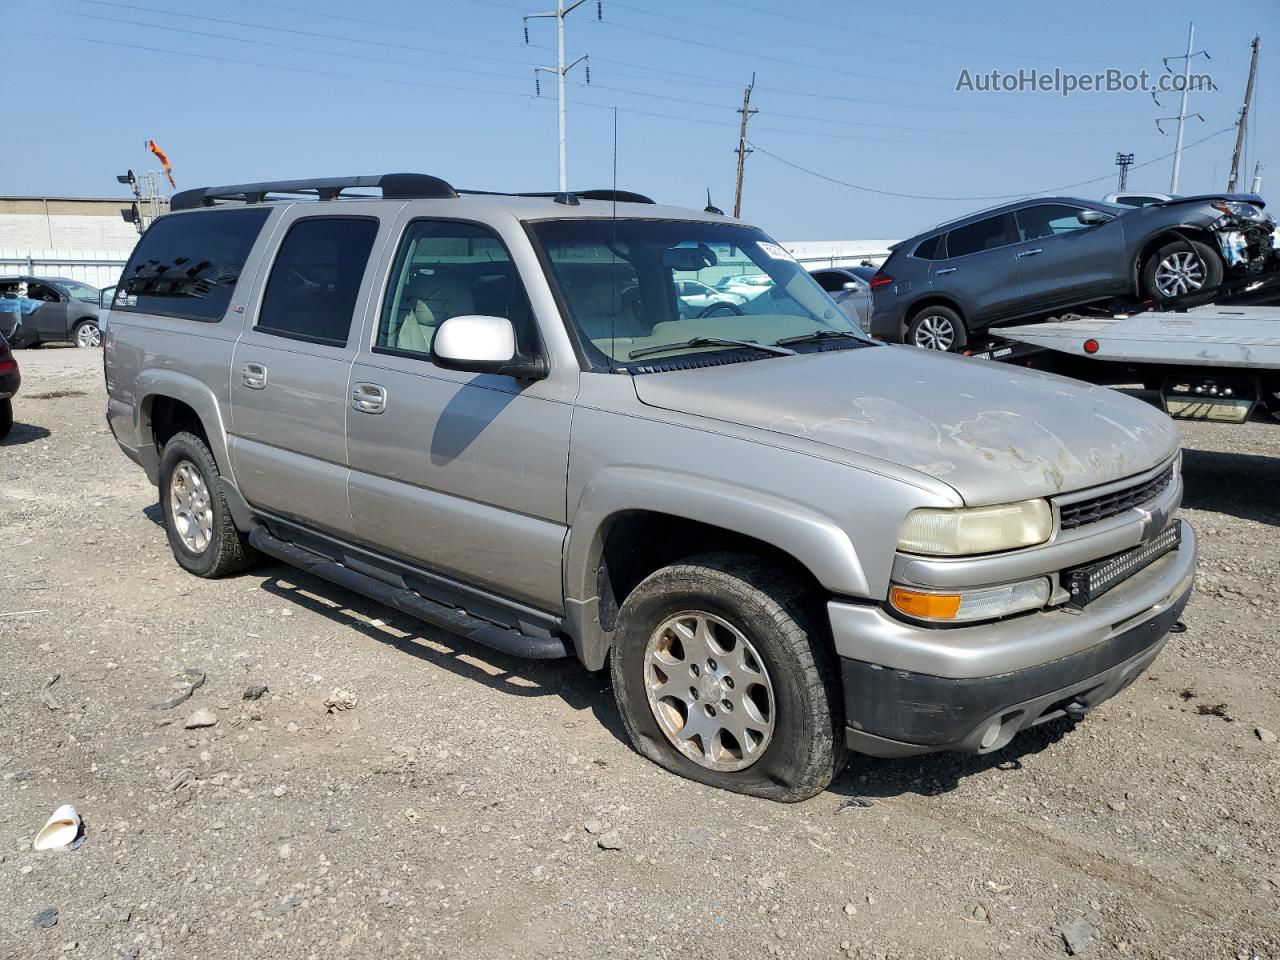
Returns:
(201, 533)
(937, 328)
(6, 417)
(722, 676)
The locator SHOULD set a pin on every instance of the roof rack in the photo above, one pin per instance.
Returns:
(394, 186)
(570, 197)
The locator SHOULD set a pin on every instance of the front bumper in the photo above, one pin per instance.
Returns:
(973, 689)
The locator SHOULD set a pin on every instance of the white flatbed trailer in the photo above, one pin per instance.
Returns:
(1209, 363)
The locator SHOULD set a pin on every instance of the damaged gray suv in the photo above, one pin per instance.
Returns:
(785, 541)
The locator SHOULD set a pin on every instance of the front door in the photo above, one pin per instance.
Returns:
(291, 369)
(1063, 261)
(463, 474)
(49, 317)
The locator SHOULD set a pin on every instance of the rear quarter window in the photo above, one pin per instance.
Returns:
(187, 265)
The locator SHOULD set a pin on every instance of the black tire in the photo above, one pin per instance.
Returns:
(1271, 397)
(228, 550)
(935, 325)
(1209, 276)
(782, 621)
(6, 417)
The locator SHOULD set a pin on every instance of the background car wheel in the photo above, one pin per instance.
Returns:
(87, 334)
(937, 328)
(723, 675)
(1181, 268)
(201, 533)
(6, 417)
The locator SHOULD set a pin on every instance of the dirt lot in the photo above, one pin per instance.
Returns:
(463, 805)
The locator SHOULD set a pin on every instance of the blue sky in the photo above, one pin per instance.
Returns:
(242, 90)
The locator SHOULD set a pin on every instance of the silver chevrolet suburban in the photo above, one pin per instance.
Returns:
(496, 413)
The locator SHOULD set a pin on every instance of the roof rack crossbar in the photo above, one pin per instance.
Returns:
(394, 186)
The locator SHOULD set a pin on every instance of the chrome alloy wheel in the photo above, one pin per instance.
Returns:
(1179, 273)
(88, 335)
(935, 333)
(709, 691)
(191, 506)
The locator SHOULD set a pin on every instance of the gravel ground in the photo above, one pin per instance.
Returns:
(399, 793)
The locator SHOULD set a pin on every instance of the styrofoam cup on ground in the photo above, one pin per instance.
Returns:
(61, 829)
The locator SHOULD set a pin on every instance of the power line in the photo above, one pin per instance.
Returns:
(999, 196)
(827, 25)
(826, 121)
(262, 43)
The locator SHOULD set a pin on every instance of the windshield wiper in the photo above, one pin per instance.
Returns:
(820, 335)
(710, 342)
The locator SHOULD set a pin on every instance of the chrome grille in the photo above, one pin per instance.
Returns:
(1110, 504)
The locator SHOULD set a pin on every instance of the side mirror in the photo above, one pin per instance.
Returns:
(477, 344)
(849, 285)
(1091, 218)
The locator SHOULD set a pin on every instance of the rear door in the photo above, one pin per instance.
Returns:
(1063, 261)
(292, 365)
(980, 271)
(463, 474)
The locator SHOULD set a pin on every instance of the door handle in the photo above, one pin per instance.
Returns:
(944, 272)
(369, 398)
(254, 376)
(1028, 253)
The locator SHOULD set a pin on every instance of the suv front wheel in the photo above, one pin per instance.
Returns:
(937, 328)
(1181, 269)
(723, 676)
(197, 521)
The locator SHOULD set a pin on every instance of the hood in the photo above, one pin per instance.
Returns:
(1253, 198)
(992, 432)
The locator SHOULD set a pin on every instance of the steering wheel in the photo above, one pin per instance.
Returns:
(711, 309)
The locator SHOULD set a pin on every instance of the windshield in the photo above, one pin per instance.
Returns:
(82, 291)
(627, 287)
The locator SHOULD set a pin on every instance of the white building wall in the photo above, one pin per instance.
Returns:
(65, 232)
(838, 253)
(99, 268)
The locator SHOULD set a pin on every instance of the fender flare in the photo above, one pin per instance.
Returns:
(199, 397)
(813, 540)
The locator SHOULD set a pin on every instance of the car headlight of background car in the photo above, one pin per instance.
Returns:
(976, 530)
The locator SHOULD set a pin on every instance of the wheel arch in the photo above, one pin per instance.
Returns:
(170, 402)
(637, 521)
(1159, 238)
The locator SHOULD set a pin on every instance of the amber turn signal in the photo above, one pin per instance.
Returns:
(929, 606)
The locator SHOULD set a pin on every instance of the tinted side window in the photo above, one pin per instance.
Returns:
(187, 265)
(983, 235)
(830, 282)
(445, 270)
(312, 289)
(1048, 220)
(930, 248)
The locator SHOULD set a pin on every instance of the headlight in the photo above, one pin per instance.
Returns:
(971, 530)
(1233, 208)
(985, 603)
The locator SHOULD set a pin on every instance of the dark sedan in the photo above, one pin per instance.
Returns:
(10, 380)
(36, 310)
(1030, 258)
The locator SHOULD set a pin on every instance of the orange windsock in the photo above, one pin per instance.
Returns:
(164, 161)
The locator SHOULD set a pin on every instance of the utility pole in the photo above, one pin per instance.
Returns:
(1182, 110)
(1243, 123)
(743, 149)
(1256, 186)
(561, 68)
(1124, 161)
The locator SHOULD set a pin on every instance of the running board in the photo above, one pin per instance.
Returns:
(406, 601)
